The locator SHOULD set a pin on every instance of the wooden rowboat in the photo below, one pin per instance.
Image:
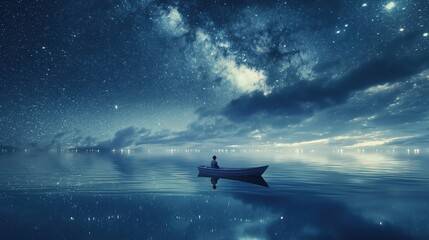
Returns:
(232, 172)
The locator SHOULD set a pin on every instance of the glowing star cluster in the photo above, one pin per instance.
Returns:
(390, 6)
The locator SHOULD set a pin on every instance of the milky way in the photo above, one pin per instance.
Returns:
(121, 73)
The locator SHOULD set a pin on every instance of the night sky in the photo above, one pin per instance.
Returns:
(132, 73)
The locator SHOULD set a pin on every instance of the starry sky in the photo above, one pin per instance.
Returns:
(133, 73)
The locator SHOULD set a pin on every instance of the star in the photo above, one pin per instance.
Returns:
(116, 106)
(401, 29)
(425, 34)
(365, 5)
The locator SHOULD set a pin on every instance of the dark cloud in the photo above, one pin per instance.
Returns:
(123, 138)
(208, 130)
(203, 131)
(72, 139)
(305, 97)
(57, 140)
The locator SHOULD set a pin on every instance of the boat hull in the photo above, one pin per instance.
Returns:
(232, 172)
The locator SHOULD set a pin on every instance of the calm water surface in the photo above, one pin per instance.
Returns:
(372, 195)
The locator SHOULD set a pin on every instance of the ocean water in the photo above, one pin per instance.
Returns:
(158, 195)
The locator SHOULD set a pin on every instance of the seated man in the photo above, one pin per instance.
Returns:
(214, 163)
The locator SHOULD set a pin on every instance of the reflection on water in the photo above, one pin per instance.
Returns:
(258, 180)
(148, 196)
(214, 180)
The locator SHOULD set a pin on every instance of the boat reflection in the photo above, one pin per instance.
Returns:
(257, 180)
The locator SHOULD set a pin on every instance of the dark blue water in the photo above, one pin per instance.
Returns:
(348, 195)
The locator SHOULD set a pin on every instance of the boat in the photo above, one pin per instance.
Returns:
(231, 172)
